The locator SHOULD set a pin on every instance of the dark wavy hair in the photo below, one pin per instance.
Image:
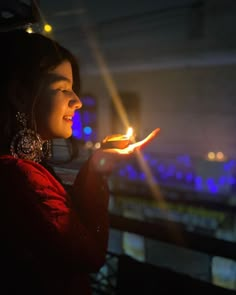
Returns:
(25, 61)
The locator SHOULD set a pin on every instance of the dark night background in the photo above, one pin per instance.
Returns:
(171, 64)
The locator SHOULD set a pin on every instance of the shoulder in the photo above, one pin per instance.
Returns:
(25, 171)
(9, 163)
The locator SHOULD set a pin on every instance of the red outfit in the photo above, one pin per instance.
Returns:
(50, 240)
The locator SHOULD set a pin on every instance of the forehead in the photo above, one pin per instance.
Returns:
(64, 70)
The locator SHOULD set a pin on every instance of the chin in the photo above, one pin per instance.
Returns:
(63, 134)
(67, 135)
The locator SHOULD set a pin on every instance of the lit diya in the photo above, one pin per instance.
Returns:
(117, 141)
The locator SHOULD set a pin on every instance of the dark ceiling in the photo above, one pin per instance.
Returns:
(65, 15)
(105, 10)
(133, 30)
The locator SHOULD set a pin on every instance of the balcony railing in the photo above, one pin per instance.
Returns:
(122, 274)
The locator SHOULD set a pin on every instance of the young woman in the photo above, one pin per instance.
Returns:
(50, 240)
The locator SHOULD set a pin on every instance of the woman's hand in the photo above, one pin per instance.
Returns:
(104, 161)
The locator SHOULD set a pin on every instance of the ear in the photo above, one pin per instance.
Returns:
(17, 95)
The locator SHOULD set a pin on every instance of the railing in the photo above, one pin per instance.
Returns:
(127, 276)
(112, 277)
(163, 231)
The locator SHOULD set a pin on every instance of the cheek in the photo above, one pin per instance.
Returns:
(53, 116)
(50, 110)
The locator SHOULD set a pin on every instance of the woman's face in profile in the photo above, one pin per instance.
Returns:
(57, 104)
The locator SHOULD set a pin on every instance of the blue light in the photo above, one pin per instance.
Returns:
(210, 181)
(142, 176)
(88, 130)
(189, 176)
(86, 117)
(229, 165)
(77, 126)
(161, 168)
(88, 101)
(166, 173)
(232, 180)
(171, 170)
(213, 189)
(198, 183)
(129, 168)
(211, 185)
(179, 175)
(133, 175)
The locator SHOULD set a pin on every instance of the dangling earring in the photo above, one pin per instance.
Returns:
(26, 144)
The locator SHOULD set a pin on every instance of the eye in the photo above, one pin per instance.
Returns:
(67, 92)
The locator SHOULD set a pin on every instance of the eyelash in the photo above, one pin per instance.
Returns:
(67, 92)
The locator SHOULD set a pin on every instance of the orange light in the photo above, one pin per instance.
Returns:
(211, 156)
(129, 132)
(220, 156)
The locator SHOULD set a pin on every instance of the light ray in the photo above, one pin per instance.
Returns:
(111, 87)
(154, 187)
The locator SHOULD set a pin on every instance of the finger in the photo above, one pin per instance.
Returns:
(147, 139)
(153, 134)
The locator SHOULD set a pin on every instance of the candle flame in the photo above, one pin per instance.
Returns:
(129, 132)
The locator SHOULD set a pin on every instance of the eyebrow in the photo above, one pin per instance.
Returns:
(57, 78)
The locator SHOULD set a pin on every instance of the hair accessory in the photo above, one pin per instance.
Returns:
(27, 144)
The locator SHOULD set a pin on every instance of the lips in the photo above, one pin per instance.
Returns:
(68, 118)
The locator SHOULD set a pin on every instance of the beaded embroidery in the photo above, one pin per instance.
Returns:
(27, 144)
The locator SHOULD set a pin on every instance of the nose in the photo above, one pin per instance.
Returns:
(75, 102)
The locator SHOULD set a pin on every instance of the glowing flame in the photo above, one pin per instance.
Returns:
(129, 132)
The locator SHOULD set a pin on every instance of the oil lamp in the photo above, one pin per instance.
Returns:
(118, 141)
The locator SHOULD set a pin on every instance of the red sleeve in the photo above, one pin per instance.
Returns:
(73, 231)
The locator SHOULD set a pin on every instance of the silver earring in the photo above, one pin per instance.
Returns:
(26, 144)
